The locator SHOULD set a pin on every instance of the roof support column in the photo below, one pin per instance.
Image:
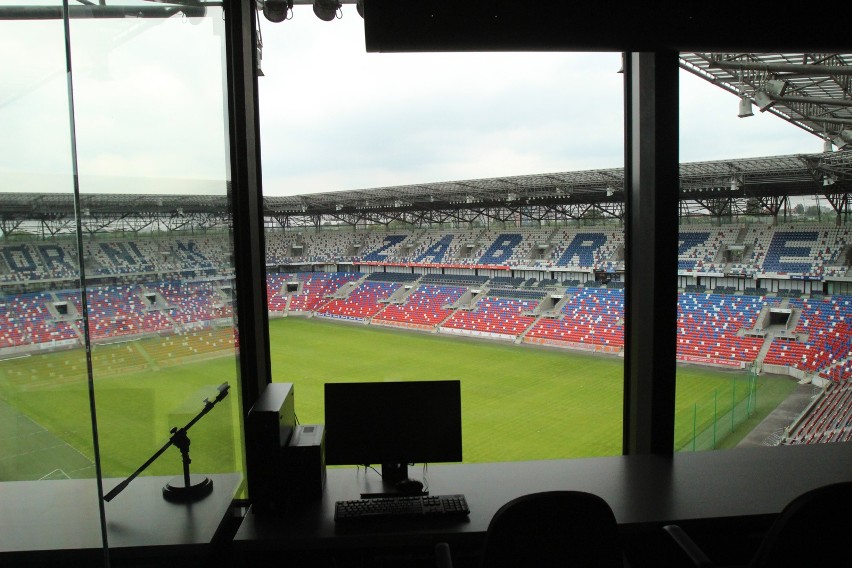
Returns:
(651, 241)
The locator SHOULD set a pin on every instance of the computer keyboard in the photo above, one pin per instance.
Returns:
(401, 506)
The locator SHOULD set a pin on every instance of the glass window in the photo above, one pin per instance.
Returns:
(116, 270)
(762, 325)
(380, 170)
(41, 440)
(152, 153)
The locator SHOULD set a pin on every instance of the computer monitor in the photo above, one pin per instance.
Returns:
(393, 424)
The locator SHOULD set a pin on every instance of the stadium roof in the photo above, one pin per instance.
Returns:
(810, 90)
(714, 188)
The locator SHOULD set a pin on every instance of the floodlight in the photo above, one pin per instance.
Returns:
(843, 138)
(829, 179)
(326, 10)
(763, 101)
(745, 107)
(775, 87)
(826, 145)
(735, 183)
(276, 10)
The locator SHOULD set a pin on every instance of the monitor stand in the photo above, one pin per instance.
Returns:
(393, 473)
(394, 481)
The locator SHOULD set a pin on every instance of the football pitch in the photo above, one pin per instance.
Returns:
(518, 402)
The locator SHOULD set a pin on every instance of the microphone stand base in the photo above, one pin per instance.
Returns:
(199, 487)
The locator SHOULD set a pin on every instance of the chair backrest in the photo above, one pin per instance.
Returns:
(813, 530)
(555, 528)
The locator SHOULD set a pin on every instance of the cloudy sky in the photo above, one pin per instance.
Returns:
(149, 106)
(334, 117)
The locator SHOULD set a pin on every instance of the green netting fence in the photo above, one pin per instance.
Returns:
(719, 414)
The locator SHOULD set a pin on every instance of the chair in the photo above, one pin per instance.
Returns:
(548, 529)
(810, 531)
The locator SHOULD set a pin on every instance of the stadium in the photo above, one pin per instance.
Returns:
(628, 317)
(532, 263)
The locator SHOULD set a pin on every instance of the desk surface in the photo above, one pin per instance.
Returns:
(62, 515)
(643, 491)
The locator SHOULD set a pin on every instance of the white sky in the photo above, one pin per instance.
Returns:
(149, 105)
(334, 117)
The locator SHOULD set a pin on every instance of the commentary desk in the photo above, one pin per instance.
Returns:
(644, 492)
(41, 521)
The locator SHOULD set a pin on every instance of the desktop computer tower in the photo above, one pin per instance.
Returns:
(270, 424)
(303, 464)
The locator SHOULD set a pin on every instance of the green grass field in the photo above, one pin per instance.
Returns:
(519, 402)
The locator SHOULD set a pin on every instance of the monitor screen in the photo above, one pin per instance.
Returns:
(393, 422)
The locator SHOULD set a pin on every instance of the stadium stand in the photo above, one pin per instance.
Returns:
(493, 316)
(506, 281)
(183, 295)
(183, 289)
(276, 291)
(591, 318)
(379, 247)
(828, 325)
(579, 249)
(362, 303)
(424, 307)
(829, 421)
(316, 286)
(429, 247)
(462, 279)
(708, 326)
(399, 277)
(700, 248)
(813, 251)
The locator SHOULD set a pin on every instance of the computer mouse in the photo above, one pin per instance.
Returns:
(408, 486)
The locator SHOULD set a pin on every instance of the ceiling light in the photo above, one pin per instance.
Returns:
(326, 10)
(745, 107)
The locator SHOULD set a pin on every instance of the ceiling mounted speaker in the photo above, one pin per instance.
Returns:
(326, 10)
(276, 10)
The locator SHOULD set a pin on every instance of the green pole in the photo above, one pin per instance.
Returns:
(733, 401)
(715, 397)
(694, 415)
(755, 393)
(748, 397)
